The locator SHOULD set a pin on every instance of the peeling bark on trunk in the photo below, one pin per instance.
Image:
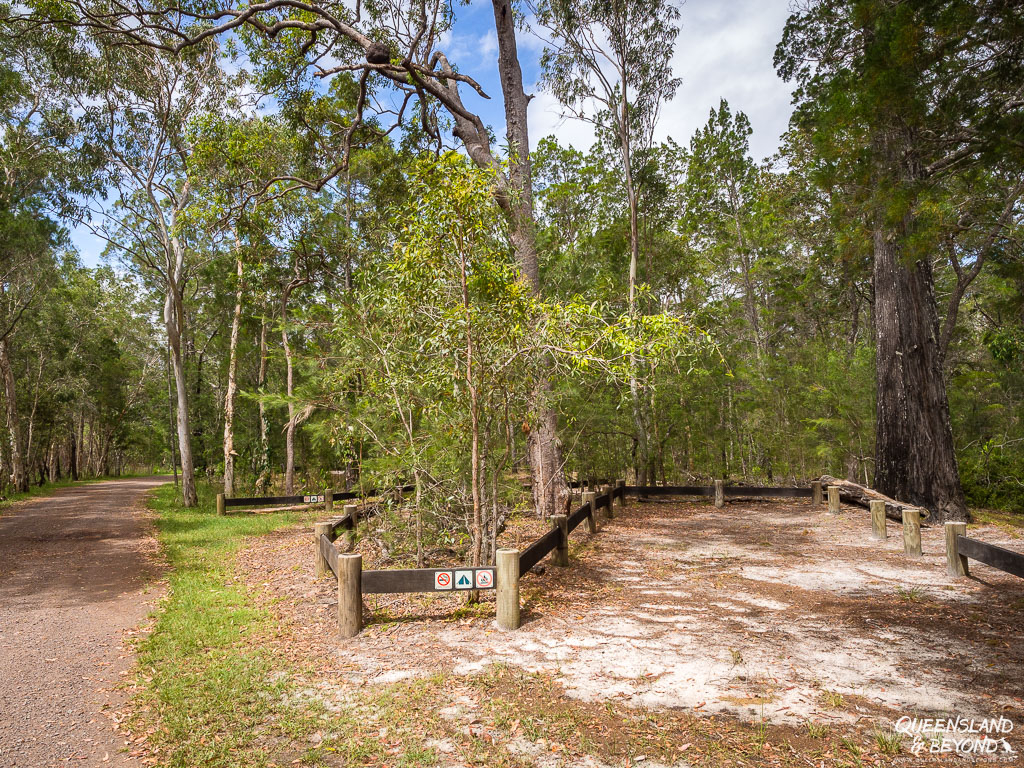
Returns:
(914, 454)
(174, 317)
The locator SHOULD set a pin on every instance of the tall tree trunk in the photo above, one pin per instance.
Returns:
(229, 395)
(550, 491)
(73, 454)
(19, 479)
(914, 455)
(174, 315)
(263, 459)
(289, 440)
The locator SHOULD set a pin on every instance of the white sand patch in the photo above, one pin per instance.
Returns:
(731, 607)
(760, 602)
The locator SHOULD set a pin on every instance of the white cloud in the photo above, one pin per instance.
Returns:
(546, 119)
(724, 50)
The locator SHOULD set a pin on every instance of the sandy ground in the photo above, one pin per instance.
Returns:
(766, 611)
(75, 575)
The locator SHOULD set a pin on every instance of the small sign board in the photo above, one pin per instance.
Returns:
(313, 499)
(428, 580)
(469, 578)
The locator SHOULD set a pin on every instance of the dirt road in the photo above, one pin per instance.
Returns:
(75, 573)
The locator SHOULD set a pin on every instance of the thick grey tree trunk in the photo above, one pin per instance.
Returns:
(914, 456)
(550, 490)
(174, 315)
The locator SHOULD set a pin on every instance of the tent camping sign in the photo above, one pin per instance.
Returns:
(428, 580)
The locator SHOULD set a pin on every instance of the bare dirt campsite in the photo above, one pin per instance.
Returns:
(774, 621)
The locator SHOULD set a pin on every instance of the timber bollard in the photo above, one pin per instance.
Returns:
(719, 494)
(325, 528)
(352, 510)
(816, 497)
(912, 531)
(956, 564)
(350, 595)
(507, 561)
(328, 500)
(622, 493)
(611, 501)
(878, 531)
(561, 522)
(220, 504)
(588, 498)
(833, 500)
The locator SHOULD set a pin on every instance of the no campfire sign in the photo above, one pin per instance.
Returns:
(470, 578)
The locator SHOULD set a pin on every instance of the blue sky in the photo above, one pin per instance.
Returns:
(725, 50)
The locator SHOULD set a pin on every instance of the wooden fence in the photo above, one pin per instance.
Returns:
(959, 548)
(327, 497)
(511, 564)
(354, 582)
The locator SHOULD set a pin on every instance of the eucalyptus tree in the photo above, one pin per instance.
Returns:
(906, 103)
(394, 48)
(141, 112)
(609, 63)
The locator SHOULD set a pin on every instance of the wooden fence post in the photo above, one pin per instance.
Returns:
(816, 493)
(588, 499)
(329, 500)
(833, 500)
(956, 564)
(338, 479)
(622, 497)
(507, 561)
(611, 502)
(220, 504)
(352, 510)
(321, 529)
(878, 531)
(719, 494)
(350, 595)
(561, 522)
(912, 531)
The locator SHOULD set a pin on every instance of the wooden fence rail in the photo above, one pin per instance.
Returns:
(326, 497)
(959, 547)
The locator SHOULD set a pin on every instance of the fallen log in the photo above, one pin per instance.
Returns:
(858, 494)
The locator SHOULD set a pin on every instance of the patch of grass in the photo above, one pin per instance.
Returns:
(1007, 521)
(910, 594)
(888, 742)
(816, 730)
(832, 699)
(850, 746)
(205, 674)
